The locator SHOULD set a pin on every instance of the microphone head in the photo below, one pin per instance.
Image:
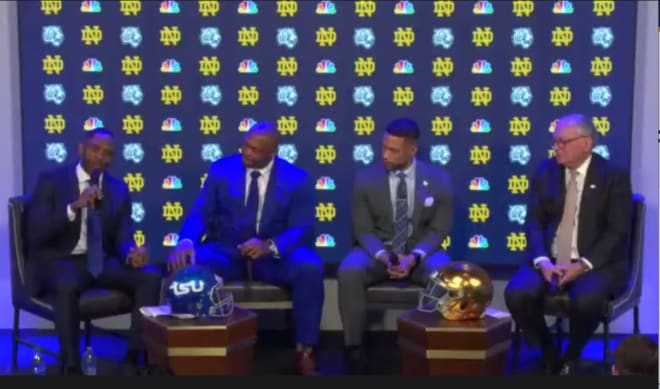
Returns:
(394, 259)
(554, 285)
(94, 180)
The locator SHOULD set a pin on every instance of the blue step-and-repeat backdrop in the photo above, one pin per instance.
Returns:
(180, 82)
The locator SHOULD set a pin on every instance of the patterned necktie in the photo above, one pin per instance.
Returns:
(252, 205)
(401, 216)
(565, 229)
(94, 242)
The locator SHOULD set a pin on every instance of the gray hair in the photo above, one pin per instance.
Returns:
(584, 124)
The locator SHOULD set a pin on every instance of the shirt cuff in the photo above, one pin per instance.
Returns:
(184, 240)
(537, 261)
(69, 212)
(379, 252)
(422, 253)
(586, 262)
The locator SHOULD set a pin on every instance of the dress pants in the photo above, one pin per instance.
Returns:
(301, 272)
(359, 271)
(67, 278)
(524, 295)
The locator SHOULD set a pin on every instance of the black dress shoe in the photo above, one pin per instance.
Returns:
(551, 363)
(356, 359)
(72, 371)
(130, 366)
(132, 357)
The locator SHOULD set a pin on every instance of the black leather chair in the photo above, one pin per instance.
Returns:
(94, 304)
(557, 305)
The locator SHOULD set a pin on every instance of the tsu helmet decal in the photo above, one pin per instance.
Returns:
(195, 291)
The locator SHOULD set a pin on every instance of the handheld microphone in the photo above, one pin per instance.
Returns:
(394, 259)
(554, 285)
(94, 181)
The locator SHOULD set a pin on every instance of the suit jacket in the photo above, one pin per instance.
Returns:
(219, 209)
(50, 234)
(604, 219)
(372, 212)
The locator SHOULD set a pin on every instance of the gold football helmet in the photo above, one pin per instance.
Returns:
(459, 291)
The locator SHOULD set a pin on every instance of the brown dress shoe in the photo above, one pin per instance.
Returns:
(305, 363)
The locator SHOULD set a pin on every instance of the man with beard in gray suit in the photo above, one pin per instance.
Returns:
(402, 211)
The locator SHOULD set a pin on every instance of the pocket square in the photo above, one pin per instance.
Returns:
(428, 201)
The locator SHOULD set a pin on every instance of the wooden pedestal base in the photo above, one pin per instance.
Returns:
(214, 346)
(431, 345)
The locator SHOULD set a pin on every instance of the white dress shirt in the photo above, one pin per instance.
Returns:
(580, 177)
(83, 183)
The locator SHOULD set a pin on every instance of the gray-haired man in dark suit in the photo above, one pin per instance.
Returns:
(402, 211)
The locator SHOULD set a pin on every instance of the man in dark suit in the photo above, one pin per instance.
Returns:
(80, 236)
(578, 231)
(402, 211)
(257, 214)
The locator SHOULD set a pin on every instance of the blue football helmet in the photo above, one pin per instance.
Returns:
(195, 291)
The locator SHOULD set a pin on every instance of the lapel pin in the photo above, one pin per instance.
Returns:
(425, 183)
(592, 186)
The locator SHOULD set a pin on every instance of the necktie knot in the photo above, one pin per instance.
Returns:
(401, 175)
(255, 174)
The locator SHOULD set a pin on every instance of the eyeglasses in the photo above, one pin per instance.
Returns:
(564, 142)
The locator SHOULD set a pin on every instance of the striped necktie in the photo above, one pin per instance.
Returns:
(401, 216)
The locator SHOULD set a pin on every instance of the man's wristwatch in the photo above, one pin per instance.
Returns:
(271, 246)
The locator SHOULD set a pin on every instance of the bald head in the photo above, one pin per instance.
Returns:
(260, 145)
(267, 130)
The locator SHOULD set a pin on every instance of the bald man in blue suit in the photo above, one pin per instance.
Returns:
(259, 208)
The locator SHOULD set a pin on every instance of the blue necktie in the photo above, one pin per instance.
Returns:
(401, 216)
(94, 242)
(252, 205)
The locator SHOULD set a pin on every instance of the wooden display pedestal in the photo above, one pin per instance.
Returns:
(213, 346)
(431, 345)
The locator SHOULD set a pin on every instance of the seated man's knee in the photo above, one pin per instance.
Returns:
(587, 304)
(434, 261)
(68, 290)
(349, 275)
(350, 271)
(310, 265)
(437, 259)
(515, 297)
(151, 275)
